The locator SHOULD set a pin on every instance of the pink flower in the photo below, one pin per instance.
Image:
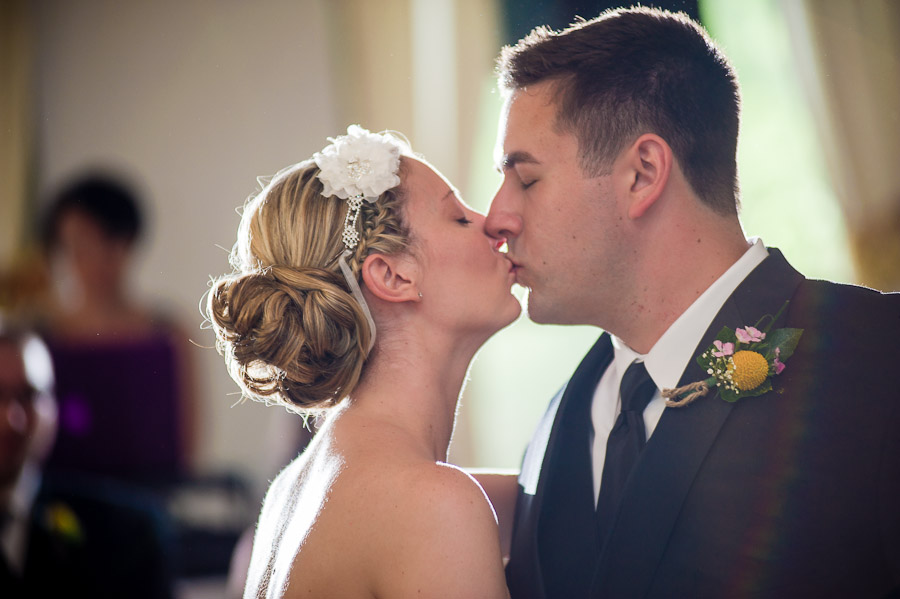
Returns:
(749, 335)
(779, 365)
(725, 349)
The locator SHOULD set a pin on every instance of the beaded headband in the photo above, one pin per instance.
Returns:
(358, 167)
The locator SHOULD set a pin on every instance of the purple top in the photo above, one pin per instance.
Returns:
(118, 408)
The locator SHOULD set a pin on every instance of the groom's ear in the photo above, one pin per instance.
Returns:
(649, 160)
(390, 278)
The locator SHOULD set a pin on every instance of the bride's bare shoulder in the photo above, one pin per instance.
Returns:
(448, 489)
(436, 532)
(383, 468)
(419, 528)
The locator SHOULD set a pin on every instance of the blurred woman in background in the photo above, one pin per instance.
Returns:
(123, 375)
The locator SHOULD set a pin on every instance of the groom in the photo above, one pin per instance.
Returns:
(619, 207)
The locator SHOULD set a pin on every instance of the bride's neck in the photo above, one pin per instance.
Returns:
(415, 384)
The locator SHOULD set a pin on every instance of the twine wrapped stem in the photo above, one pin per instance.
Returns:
(690, 392)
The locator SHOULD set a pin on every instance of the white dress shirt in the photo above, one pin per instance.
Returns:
(668, 358)
(14, 536)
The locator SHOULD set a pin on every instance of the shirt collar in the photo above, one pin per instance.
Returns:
(672, 352)
(14, 535)
(25, 491)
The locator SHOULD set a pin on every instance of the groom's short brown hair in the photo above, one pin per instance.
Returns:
(635, 71)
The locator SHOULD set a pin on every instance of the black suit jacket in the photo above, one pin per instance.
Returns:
(795, 493)
(98, 542)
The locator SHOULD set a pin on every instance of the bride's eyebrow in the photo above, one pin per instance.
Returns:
(451, 193)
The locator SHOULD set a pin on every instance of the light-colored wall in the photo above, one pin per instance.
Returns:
(194, 100)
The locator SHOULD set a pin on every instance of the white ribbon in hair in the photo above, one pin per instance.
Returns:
(357, 293)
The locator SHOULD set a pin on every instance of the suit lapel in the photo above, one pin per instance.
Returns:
(565, 545)
(583, 383)
(10, 581)
(668, 465)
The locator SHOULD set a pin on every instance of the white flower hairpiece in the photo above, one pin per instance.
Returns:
(357, 167)
(359, 163)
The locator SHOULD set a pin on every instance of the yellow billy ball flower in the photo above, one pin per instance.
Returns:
(748, 369)
(63, 521)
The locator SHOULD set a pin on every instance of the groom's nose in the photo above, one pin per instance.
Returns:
(504, 219)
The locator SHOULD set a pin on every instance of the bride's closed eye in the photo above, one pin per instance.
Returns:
(464, 221)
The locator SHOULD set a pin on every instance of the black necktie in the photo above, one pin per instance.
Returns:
(626, 440)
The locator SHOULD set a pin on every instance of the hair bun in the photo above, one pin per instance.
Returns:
(290, 334)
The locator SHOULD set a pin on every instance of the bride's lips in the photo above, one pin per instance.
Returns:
(513, 268)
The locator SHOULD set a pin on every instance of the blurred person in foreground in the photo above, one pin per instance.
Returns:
(366, 237)
(57, 538)
(124, 377)
(735, 432)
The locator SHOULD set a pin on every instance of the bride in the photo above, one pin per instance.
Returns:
(366, 237)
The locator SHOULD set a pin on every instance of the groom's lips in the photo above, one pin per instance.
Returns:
(513, 267)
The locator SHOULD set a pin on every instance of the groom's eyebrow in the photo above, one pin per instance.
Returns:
(511, 160)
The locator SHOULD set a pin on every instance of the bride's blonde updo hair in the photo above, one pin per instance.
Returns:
(285, 320)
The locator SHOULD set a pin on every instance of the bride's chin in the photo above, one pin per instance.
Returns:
(513, 310)
(504, 316)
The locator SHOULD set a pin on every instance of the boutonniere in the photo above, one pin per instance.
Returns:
(740, 362)
(62, 523)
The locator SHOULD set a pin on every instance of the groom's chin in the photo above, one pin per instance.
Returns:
(535, 311)
(546, 312)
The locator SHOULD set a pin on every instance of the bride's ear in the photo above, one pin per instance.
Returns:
(390, 278)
